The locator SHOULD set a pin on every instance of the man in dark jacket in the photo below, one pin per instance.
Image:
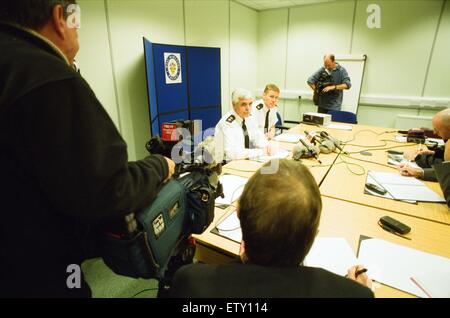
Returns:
(278, 230)
(63, 164)
(427, 159)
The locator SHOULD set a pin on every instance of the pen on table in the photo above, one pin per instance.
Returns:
(416, 282)
(361, 271)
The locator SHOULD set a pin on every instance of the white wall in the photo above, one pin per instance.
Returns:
(399, 53)
(281, 46)
(112, 57)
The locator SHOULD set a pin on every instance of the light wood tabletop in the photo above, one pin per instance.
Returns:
(342, 219)
(347, 178)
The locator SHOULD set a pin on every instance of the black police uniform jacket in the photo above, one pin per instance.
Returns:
(63, 166)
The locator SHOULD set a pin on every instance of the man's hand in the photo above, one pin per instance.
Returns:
(171, 166)
(268, 150)
(411, 154)
(362, 278)
(270, 134)
(329, 88)
(408, 171)
(242, 254)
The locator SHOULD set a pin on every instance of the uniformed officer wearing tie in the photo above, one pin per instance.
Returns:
(237, 135)
(265, 110)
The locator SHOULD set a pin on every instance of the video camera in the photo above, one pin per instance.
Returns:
(155, 242)
(324, 80)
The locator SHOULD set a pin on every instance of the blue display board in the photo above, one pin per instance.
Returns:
(182, 83)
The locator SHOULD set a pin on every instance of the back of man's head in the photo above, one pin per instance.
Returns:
(279, 215)
(32, 14)
(441, 123)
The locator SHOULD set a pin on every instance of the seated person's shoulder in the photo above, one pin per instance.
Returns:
(246, 280)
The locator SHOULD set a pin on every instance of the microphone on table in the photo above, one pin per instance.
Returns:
(313, 151)
(336, 142)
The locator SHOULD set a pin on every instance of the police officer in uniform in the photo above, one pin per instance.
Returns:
(265, 110)
(237, 135)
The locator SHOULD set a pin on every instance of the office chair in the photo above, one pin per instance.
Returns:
(343, 116)
(279, 125)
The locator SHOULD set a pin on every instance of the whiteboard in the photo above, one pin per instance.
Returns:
(354, 64)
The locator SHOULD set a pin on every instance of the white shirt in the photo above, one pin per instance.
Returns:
(259, 111)
(230, 141)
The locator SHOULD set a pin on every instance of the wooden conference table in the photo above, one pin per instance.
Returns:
(347, 211)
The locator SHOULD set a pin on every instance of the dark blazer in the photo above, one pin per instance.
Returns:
(247, 280)
(443, 175)
(63, 167)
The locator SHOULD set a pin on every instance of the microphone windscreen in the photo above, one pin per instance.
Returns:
(298, 152)
(315, 148)
(327, 146)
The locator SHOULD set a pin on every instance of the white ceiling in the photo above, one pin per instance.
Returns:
(273, 4)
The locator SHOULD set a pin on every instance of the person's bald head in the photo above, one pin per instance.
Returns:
(441, 124)
(329, 62)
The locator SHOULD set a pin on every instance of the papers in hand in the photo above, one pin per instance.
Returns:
(398, 160)
(395, 265)
(233, 186)
(404, 188)
(289, 137)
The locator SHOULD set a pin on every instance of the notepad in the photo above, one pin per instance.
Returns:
(331, 253)
(405, 188)
(289, 137)
(233, 186)
(395, 265)
(386, 195)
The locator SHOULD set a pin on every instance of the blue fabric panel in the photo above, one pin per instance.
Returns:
(204, 76)
(209, 116)
(171, 97)
(151, 89)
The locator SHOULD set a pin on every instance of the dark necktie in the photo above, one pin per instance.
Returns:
(266, 123)
(246, 138)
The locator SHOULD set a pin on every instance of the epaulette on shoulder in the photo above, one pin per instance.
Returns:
(230, 119)
(259, 106)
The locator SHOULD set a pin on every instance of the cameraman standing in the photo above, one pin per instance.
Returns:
(328, 84)
(63, 164)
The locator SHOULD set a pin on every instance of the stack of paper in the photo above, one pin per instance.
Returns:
(405, 188)
(419, 273)
(233, 186)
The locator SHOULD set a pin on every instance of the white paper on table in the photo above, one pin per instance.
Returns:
(230, 228)
(419, 193)
(440, 142)
(386, 195)
(401, 138)
(394, 178)
(280, 154)
(289, 137)
(331, 253)
(338, 126)
(405, 188)
(394, 265)
(233, 186)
